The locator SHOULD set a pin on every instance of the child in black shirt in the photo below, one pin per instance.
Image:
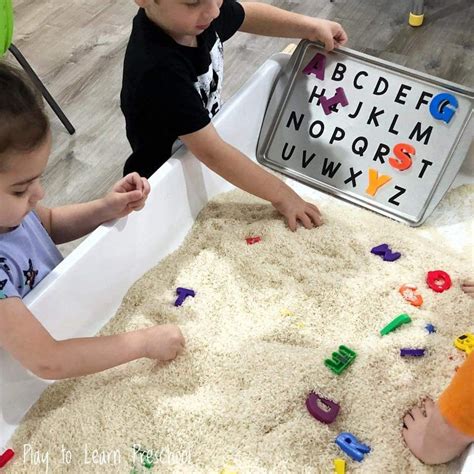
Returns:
(172, 80)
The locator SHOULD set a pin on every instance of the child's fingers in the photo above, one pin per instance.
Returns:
(135, 181)
(305, 220)
(315, 208)
(328, 41)
(408, 419)
(146, 187)
(315, 215)
(292, 222)
(130, 197)
(136, 205)
(341, 37)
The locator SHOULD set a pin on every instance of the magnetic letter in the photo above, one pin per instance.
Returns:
(376, 181)
(352, 447)
(316, 66)
(325, 415)
(340, 360)
(443, 106)
(183, 293)
(338, 98)
(438, 281)
(403, 151)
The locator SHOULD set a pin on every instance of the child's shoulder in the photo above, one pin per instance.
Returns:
(27, 255)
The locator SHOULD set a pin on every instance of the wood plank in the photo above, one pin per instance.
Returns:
(77, 48)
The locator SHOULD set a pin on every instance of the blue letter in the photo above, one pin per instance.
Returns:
(351, 446)
(439, 106)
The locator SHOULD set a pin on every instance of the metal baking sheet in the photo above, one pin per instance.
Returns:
(350, 151)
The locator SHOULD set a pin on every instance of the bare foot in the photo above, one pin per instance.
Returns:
(468, 287)
(429, 437)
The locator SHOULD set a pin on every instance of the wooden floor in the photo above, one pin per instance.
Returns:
(77, 48)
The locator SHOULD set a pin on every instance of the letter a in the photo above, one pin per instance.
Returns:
(316, 66)
(376, 181)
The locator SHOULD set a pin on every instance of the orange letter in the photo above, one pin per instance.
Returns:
(403, 152)
(376, 181)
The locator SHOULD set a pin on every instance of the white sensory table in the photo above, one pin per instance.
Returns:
(113, 257)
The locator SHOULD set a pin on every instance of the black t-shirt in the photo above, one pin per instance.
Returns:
(170, 90)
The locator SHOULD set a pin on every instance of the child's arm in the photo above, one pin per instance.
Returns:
(267, 20)
(235, 167)
(71, 222)
(23, 336)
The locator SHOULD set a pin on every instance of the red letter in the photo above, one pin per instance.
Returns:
(403, 151)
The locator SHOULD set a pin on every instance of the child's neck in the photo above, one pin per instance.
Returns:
(4, 230)
(190, 41)
(184, 40)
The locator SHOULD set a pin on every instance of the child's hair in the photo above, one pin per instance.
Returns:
(23, 122)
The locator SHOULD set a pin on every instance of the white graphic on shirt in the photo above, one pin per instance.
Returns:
(209, 84)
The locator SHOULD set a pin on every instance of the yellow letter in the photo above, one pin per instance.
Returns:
(376, 181)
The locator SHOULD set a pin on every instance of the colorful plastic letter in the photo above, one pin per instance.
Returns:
(438, 281)
(403, 153)
(253, 240)
(352, 446)
(339, 466)
(391, 256)
(340, 360)
(380, 249)
(396, 323)
(183, 293)
(430, 328)
(338, 98)
(443, 106)
(376, 181)
(412, 352)
(324, 415)
(465, 343)
(384, 251)
(410, 294)
(316, 66)
(6, 457)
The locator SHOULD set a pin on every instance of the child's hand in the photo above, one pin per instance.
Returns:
(129, 194)
(164, 342)
(328, 32)
(295, 209)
